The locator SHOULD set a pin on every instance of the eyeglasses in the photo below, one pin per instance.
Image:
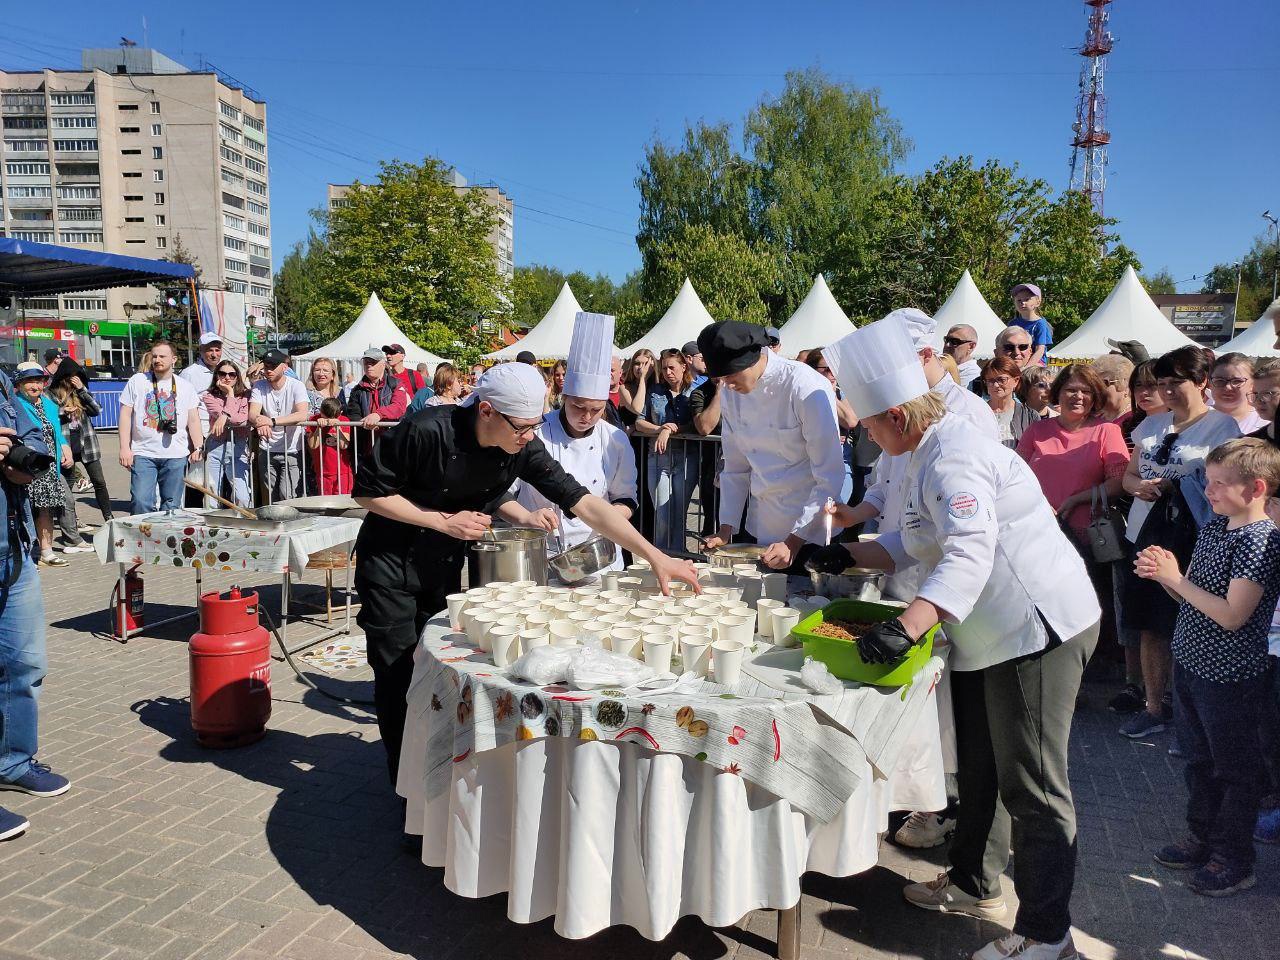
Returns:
(997, 381)
(1264, 395)
(1016, 348)
(1235, 383)
(1165, 450)
(823, 369)
(226, 374)
(520, 431)
(956, 342)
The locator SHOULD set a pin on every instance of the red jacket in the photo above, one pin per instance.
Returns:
(387, 398)
(411, 380)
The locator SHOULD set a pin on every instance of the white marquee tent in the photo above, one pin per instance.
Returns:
(817, 322)
(550, 339)
(373, 328)
(682, 322)
(1258, 339)
(967, 305)
(1128, 313)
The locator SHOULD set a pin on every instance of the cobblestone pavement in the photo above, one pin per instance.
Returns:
(290, 848)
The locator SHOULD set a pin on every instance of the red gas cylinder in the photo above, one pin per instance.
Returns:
(230, 672)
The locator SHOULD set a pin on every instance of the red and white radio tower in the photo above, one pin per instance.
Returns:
(1089, 158)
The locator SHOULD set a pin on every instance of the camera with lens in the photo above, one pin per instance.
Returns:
(25, 460)
(167, 426)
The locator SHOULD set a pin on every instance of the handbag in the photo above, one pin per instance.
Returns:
(1106, 529)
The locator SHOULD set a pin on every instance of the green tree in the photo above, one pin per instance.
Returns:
(536, 287)
(735, 279)
(1160, 282)
(1255, 271)
(172, 313)
(297, 285)
(423, 247)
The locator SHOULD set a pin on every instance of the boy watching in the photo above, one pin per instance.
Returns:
(1221, 676)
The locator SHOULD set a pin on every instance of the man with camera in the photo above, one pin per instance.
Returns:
(22, 625)
(159, 432)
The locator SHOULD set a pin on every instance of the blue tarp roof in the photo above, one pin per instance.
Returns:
(30, 269)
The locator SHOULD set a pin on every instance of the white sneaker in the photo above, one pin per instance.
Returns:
(943, 896)
(1016, 945)
(924, 830)
(75, 548)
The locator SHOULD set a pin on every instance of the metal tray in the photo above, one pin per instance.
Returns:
(229, 518)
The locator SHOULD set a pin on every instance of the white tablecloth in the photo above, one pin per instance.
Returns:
(598, 834)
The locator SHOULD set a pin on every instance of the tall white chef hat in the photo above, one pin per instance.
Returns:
(590, 356)
(877, 366)
(919, 324)
(515, 389)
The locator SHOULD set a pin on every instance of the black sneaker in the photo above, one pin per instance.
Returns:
(1188, 854)
(12, 824)
(1128, 701)
(1217, 878)
(1143, 724)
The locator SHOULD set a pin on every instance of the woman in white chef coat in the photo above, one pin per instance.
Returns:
(780, 440)
(594, 452)
(1022, 618)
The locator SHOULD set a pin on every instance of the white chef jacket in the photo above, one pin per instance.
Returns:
(781, 445)
(989, 548)
(602, 461)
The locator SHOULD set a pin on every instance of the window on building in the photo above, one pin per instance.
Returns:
(255, 166)
(255, 146)
(133, 196)
(157, 176)
(253, 123)
(258, 290)
(232, 201)
(26, 123)
(228, 131)
(233, 221)
(131, 173)
(159, 198)
(162, 243)
(76, 122)
(135, 240)
(84, 303)
(237, 286)
(71, 99)
(155, 106)
(20, 192)
(135, 219)
(22, 100)
(235, 156)
(260, 271)
(160, 220)
(127, 106)
(259, 229)
(234, 243)
(27, 169)
(78, 192)
(41, 303)
(235, 266)
(258, 250)
(130, 153)
(25, 146)
(228, 111)
(130, 129)
(76, 146)
(157, 153)
(30, 215)
(156, 130)
(73, 168)
(255, 187)
(231, 178)
(80, 213)
(259, 208)
(80, 236)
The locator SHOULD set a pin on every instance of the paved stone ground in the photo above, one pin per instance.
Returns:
(291, 848)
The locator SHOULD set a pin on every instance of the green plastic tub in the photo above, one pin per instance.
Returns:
(842, 657)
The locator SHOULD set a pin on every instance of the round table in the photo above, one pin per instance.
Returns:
(599, 833)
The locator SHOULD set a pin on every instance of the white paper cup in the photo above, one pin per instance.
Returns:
(480, 594)
(484, 621)
(609, 580)
(695, 651)
(564, 633)
(764, 621)
(751, 586)
(584, 593)
(739, 629)
(640, 565)
(699, 622)
(726, 661)
(533, 638)
(782, 620)
(455, 601)
(657, 652)
(538, 620)
(504, 643)
(774, 586)
(670, 622)
(747, 569)
(627, 640)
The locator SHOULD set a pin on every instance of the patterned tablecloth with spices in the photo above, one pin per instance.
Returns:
(806, 749)
(185, 539)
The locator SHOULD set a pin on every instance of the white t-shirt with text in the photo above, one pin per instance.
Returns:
(279, 403)
(168, 399)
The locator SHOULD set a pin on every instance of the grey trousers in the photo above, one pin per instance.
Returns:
(1013, 724)
(284, 475)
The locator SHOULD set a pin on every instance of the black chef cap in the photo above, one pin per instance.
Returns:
(730, 346)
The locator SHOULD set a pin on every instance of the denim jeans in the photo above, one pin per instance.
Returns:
(672, 477)
(230, 461)
(1217, 726)
(150, 474)
(22, 665)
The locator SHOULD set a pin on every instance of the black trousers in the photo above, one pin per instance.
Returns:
(100, 492)
(1218, 726)
(1013, 724)
(399, 592)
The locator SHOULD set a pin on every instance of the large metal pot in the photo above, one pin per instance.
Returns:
(856, 583)
(585, 560)
(507, 554)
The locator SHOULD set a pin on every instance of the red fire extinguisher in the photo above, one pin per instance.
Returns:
(128, 610)
(230, 662)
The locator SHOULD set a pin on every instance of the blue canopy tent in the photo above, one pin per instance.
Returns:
(29, 269)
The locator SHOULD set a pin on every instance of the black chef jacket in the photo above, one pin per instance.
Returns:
(433, 460)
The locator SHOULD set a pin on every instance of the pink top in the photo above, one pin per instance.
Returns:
(236, 409)
(1068, 461)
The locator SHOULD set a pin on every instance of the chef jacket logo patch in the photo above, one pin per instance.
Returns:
(962, 506)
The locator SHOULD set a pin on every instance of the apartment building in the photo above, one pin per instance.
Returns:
(124, 156)
(501, 237)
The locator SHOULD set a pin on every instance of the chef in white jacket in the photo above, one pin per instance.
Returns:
(781, 443)
(1023, 619)
(589, 448)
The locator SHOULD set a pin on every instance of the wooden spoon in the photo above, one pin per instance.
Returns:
(222, 500)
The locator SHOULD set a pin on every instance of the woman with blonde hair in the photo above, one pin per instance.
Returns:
(640, 376)
(322, 383)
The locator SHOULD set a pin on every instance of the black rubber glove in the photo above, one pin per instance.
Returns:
(835, 558)
(885, 642)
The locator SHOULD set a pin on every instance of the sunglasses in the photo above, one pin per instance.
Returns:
(1165, 450)
(823, 369)
(957, 342)
(1016, 348)
(520, 431)
(226, 374)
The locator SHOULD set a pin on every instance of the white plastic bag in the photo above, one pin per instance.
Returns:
(592, 668)
(818, 678)
(543, 665)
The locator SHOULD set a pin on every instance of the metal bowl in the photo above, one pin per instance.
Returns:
(723, 558)
(585, 560)
(856, 583)
(336, 505)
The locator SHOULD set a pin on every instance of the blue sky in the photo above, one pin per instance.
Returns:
(556, 101)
